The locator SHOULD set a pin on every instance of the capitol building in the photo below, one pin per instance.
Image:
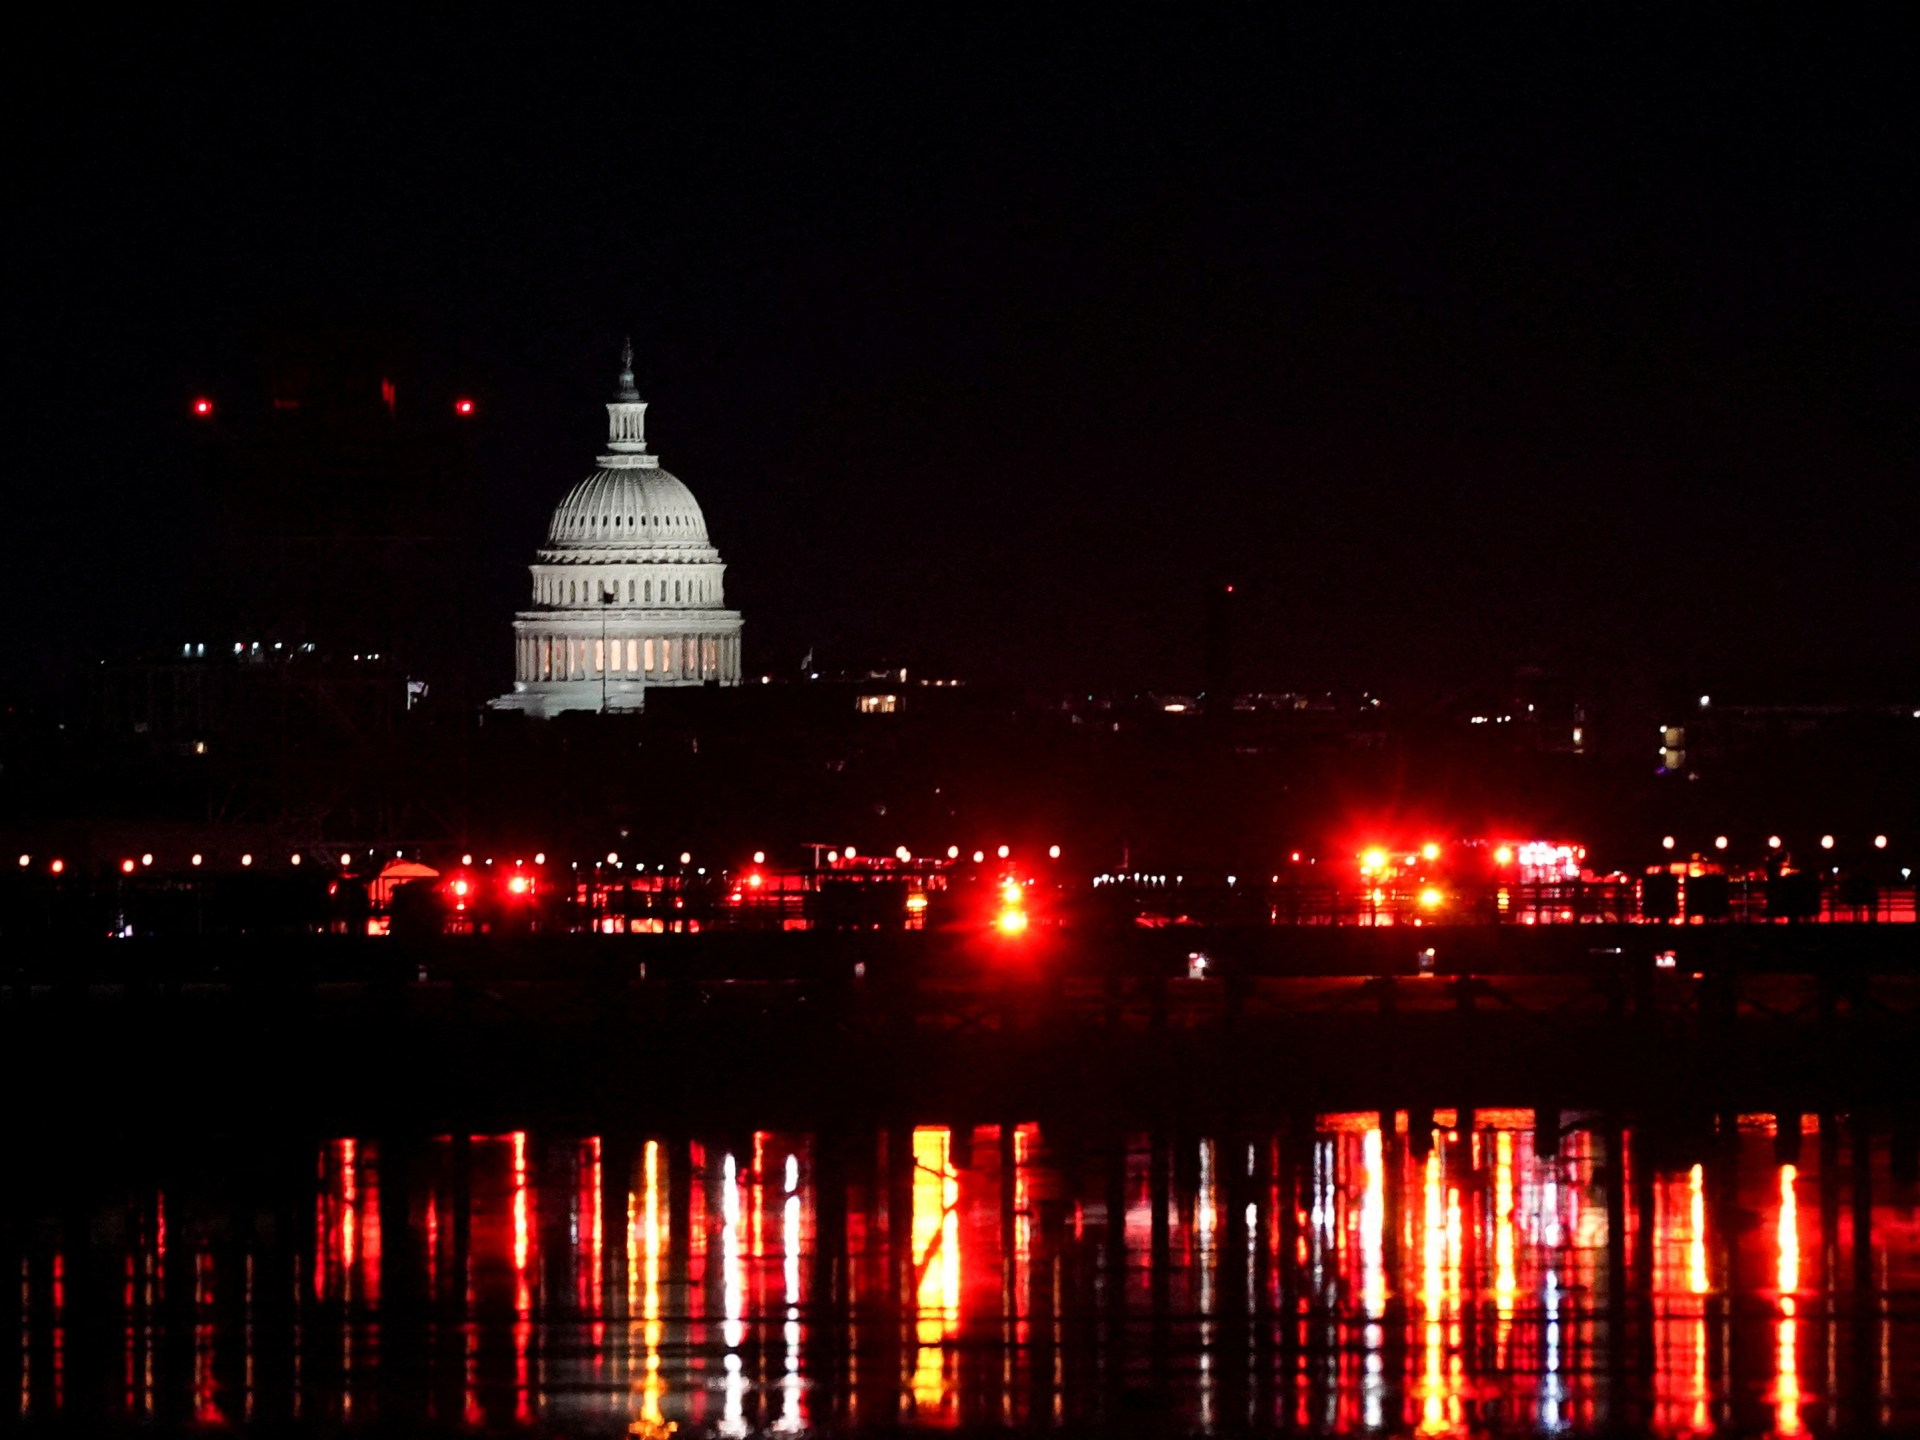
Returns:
(628, 591)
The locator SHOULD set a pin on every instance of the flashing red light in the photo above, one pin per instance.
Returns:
(126, 867)
(519, 885)
(57, 866)
(463, 406)
(756, 880)
(461, 887)
(203, 407)
(1011, 921)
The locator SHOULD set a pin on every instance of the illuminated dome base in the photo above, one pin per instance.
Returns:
(628, 592)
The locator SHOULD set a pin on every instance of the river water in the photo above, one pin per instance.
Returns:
(1327, 1278)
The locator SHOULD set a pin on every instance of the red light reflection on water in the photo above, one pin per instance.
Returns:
(1338, 1279)
(1786, 1419)
(522, 1292)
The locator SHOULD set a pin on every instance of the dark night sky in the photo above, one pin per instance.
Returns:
(987, 341)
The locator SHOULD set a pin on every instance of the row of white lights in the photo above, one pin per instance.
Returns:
(902, 853)
(128, 866)
(1774, 842)
(197, 859)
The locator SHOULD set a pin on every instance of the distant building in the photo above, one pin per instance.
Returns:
(628, 590)
(332, 511)
(1801, 725)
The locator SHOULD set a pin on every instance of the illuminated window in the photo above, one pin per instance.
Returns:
(877, 704)
(633, 656)
(648, 651)
(666, 656)
(613, 658)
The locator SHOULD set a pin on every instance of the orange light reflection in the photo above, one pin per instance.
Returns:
(936, 1262)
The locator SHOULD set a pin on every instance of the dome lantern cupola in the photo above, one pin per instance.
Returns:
(627, 419)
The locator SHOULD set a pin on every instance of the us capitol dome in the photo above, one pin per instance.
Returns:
(628, 591)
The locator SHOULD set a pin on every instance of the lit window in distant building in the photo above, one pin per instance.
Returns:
(633, 657)
(647, 650)
(613, 659)
(877, 704)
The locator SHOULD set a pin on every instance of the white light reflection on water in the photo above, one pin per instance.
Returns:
(1552, 1392)
(1373, 1269)
(733, 1328)
(791, 1417)
(1206, 1256)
